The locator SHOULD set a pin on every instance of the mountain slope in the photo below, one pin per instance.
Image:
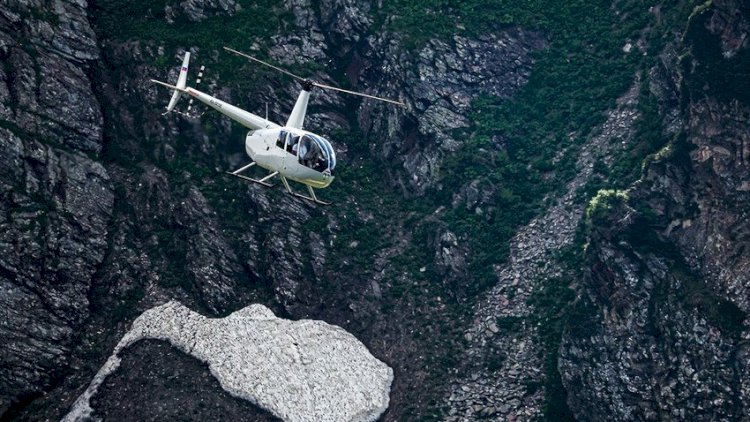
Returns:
(454, 250)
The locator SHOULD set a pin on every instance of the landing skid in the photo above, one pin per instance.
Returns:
(312, 198)
(250, 179)
(262, 181)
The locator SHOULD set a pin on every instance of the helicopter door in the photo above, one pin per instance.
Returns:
(281, 140)
(291, 147)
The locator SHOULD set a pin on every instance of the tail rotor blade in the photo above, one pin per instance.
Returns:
(181, 80)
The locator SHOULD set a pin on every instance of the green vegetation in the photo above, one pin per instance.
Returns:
(523, 149)
(648, 139)
(576, 79)
(510, 323)
(146, 21)
(603, 204)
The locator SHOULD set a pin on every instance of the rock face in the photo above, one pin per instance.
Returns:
(298, 370)
(445, 79)
(55, 199)
(198, 10)
(108, 208)
(667, 267)
(504, 351)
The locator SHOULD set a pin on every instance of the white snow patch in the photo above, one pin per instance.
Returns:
(303, 370)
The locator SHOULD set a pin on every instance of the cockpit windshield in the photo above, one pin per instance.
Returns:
(317, 153)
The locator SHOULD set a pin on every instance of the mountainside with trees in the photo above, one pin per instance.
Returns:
(555, 226)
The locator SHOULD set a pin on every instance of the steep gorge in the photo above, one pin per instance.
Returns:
(455, 249)
(666, 266)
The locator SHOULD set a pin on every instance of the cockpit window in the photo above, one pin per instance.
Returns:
(293, 144)
(316, 152)
(280, 140)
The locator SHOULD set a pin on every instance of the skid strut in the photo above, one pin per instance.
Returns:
(311, 198)
(263, 181)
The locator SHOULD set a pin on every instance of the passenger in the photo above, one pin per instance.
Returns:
(320, 164)
(292, 144)
(303, 149)
(280, 141)
(311, 157)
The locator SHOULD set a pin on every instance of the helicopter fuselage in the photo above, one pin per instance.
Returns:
(288, 151)
(272, 150)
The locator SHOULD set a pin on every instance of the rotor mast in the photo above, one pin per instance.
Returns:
(297, 116)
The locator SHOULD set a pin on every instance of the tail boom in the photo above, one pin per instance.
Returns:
(245, 118)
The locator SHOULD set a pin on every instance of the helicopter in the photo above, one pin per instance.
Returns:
(287, 151)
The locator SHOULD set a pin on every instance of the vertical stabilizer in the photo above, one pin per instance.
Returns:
(181, 80)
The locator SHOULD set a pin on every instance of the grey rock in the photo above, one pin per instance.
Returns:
(448, 76)
(531, 262)
(54, 228)
(666, 272)
(198, 10)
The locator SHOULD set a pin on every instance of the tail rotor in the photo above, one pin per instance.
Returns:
(180, 87)
(181, 81)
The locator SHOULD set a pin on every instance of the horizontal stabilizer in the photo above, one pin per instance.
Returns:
(168, 85)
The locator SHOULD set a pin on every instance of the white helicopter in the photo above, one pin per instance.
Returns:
(286, 151)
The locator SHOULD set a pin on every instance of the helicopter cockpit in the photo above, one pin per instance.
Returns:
(311, 150)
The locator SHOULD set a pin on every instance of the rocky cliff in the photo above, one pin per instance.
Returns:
(57, 198)
(454, 250)
(666, 266)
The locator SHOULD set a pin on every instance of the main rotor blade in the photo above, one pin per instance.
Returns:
(358, 93)
(314, 83)
(264, 63)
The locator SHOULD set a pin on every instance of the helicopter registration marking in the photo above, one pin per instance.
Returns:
(215, 103)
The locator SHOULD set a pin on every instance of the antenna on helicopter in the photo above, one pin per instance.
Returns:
(308, 84)
(190, 113)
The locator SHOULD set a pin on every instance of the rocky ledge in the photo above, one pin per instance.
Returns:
(298, 370)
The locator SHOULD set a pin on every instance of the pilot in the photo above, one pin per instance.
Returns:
(320, 163)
